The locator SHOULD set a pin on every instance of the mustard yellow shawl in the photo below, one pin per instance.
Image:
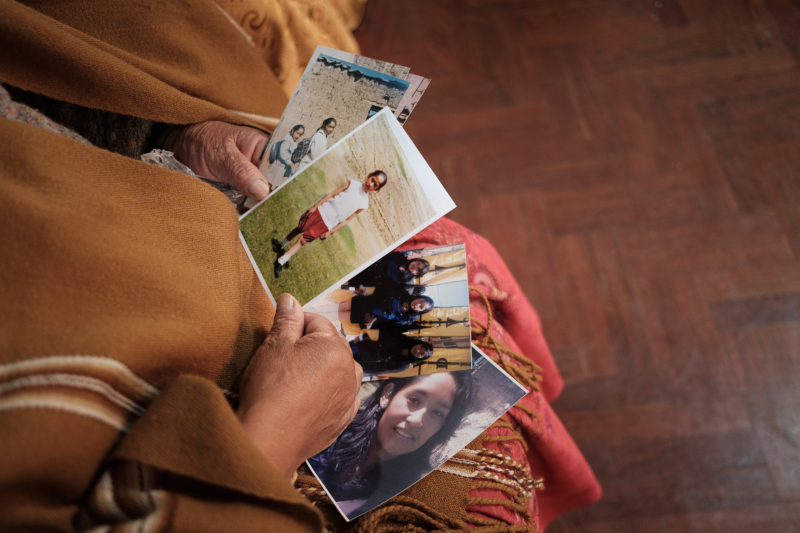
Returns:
(127, 300)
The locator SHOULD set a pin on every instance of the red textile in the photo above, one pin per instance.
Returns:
(312, 226)
(552, 454)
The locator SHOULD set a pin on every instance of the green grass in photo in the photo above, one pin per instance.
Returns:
(317, 265)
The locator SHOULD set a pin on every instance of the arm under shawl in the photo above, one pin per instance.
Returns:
(119, 329)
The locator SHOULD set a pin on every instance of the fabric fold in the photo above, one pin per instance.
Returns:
(122, 59)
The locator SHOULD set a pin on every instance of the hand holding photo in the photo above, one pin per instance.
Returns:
(365, 196)
(407, 427)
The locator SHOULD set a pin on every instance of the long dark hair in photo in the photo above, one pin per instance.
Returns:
(398, 361)
(423, 270)
(406, 276)
(378, 272)
(405, 297)
(352, 449)
(386, 354)
(409, 343)
(325, 123)
(405, 262)
(383, 297)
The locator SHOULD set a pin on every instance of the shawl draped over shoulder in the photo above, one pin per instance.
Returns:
(127, 296)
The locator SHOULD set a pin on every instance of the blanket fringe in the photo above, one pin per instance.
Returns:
(528, 373)
(488, 469)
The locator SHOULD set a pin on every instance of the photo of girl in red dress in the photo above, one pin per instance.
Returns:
(367, 194)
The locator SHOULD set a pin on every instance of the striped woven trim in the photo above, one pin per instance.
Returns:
(99, 388)
(497, 467)
(125, 498)
(102, 389)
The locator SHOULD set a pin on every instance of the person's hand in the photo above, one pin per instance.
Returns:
(312, 210)
(368, 317)
(222, 152)
(325, 235)
(298, 393)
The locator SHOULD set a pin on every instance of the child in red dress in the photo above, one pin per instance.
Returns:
(333, 212)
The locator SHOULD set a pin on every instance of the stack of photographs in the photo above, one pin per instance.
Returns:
(345, 197)
(336, 94)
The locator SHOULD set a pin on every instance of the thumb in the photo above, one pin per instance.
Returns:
(289, 320)
(243, 174)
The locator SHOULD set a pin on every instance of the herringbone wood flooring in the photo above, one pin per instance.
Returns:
(637, 163)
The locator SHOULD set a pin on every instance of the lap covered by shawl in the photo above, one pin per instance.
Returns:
(525, 469)
(130, 308)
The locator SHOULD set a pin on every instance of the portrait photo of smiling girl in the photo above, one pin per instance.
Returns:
(407, 427)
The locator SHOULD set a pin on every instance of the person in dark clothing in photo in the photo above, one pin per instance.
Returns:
(392, 352)
(387, 304)
(395, 267)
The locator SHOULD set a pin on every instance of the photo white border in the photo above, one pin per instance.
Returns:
(430, 184)
(488, 360)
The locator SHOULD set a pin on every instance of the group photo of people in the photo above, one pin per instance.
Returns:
(404, 426)
(291, 154)
(342, 211)
(406, 314)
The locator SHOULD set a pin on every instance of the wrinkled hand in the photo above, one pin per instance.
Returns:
(222, 152)
(298, 393)
(325, 235)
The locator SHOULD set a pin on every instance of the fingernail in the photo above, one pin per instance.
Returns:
(285, 302)
(258, 189)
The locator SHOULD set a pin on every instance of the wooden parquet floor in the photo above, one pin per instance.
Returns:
(637, 164)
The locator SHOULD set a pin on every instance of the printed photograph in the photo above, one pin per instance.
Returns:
(366, 196)
(336, 94)
(417, 86)
(407, 427)
(406, 314)
(397, 71)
